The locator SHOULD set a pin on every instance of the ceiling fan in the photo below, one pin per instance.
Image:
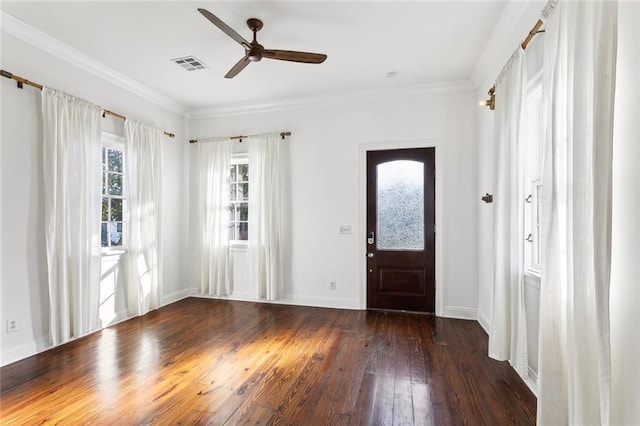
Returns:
(254, 51)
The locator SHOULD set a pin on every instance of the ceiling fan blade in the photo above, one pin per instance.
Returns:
(225, 28)
(242, 63)
(289, 55)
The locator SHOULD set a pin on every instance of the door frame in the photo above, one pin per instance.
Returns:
(438, 144)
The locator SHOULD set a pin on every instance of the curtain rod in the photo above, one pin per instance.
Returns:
(240, 137)
(22, 81)
(535, 30)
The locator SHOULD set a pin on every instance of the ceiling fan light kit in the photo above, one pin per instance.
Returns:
(254, 51)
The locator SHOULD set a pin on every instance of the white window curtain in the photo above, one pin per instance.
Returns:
(508, 332)
(214, 158)
(72, 187)
(143, 164)
(267, 172)
(579, 73)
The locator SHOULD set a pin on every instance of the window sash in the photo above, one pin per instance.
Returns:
(239, 193)
(113, 229)
(533, 175)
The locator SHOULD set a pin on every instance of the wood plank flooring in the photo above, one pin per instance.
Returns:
(201, 361)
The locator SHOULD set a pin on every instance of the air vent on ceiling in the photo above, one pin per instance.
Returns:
(190, 63)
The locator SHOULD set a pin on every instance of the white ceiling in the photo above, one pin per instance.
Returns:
(423, 42)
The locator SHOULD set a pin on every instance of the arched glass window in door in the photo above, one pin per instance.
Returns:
(400, 205)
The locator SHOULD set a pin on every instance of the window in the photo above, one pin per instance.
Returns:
(113, 199)
(239, 197)
(533, 174)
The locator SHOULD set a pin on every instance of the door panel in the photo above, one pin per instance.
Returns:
(394, 280)
(400, 229)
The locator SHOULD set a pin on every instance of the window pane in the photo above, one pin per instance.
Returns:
(115, 160)
(243, 231)
(105, 209)
(104, 155)
(115, 233)
(115, 184)
(232, 195)
(233, 173)
(243, 172)
(243, 211)
(243, 191)
(105, 235)
(116, 210)
(400, 205)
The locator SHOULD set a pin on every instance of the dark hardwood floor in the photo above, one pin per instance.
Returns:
(201, 361)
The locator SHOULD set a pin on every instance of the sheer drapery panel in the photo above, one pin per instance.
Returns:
(579, 81)
(508, 332)
(267, 173)
(143, 162)
(214, 157)
(72, 149)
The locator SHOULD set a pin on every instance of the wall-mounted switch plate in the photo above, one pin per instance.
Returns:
(345, 229)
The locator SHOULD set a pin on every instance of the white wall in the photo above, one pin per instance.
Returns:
(325, 151)
(23, 283)
(625, 250)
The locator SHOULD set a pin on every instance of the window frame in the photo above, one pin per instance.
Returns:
(533, 163)
(114, 142)
(237, 159)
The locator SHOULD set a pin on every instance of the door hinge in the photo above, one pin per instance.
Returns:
(434, 228)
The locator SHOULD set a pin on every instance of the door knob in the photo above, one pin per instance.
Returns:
(369, 254)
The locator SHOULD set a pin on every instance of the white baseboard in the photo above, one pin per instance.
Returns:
(459, 312)
(532, 382)
(317, 302)
(484, 323)
(18, 353)
(241, 296)
(170, 298)
(322, 302)
(328, 302)
(43, 343)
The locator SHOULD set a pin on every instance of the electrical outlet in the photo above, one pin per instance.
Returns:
(332, 285)
(345, 229)
(12, 325)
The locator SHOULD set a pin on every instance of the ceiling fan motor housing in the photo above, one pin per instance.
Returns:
(255, 53)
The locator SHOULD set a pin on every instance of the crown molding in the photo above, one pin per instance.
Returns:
(355, 97)
(48, 44)
(504, 41)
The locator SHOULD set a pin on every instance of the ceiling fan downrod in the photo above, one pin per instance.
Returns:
(257, 50)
